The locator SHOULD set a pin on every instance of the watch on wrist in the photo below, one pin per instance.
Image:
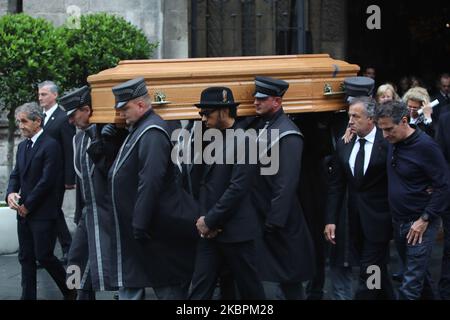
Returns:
(425, 217)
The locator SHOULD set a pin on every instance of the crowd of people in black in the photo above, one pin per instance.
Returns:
(350, 181)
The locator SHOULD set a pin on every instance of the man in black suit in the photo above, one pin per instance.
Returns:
(228, 223)
(360, 168)
(285, 247)
(57, 126)
(443, 97)
(443, 138)
(32, 192)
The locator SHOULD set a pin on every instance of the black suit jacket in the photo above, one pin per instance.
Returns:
(369, 200)
(59, 128)
(225, 198)
(443, 135)
(35, 179)
(442, 108)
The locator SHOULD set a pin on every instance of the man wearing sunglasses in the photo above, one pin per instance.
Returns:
(228, 222)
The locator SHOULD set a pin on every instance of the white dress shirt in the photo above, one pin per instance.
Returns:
(49, 113)
(36, 136)
(370, 139)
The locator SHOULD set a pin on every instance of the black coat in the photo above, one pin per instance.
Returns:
(145, 196)
(286, 254)
(369, 200)
(443, 135)
(442, 108)
(36, 179)
(59, 128)
(226, 200)
(90, 248)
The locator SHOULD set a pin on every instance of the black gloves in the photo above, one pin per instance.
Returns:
(91, 132)
(95, 151)
(109, 131)
(270, 228)
(141, 235)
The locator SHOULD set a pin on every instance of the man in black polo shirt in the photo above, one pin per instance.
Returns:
(419, 192)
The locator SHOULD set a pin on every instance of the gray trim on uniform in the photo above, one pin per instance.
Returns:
(96, 225)
(117, 166)
(85, 274)
(286, 133)
(75, 158)
(135, 142)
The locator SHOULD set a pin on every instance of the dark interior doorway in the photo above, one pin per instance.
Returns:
(414, 39)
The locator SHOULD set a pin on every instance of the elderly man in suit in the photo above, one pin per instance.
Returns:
(359, 170)
(32, 192)
(57, 126)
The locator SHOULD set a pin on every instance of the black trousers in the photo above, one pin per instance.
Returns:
(63, 233)
(239, 257)
(374, 254)
(79, 256)
(36, 243)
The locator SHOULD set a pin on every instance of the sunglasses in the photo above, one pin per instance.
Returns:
(206, 112)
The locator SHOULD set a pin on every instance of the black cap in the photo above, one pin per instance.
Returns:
(266, 86)
(129, 90)
(76, 99)
(358, 87)
(216, 97)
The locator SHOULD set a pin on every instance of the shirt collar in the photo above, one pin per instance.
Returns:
(36, 136)
(50, 111)
(412, 137)
(369, 137)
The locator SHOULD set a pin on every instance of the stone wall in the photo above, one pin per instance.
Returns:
(327, 22)
(165, 22)
(3, 8)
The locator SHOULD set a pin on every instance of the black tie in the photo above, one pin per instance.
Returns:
(28, 149)
(359, 161)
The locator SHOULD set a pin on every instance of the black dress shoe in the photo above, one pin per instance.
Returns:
(71, 295)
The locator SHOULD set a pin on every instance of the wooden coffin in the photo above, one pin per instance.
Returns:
(315, 83)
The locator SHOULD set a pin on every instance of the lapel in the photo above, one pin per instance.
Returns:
(52, 119)
(34, 149)
(208, 168)
(21, 154)
(377, 145)
(132, 139)
(347, 152)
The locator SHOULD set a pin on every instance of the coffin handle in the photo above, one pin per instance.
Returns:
(328, 90)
